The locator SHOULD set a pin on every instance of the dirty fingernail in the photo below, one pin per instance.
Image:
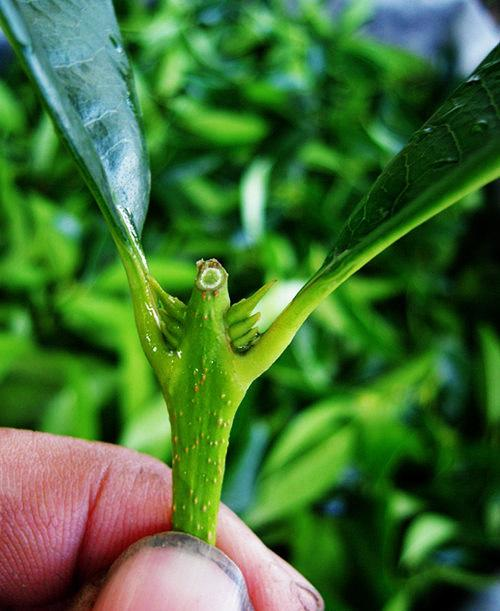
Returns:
(308, 597)
(173, 572)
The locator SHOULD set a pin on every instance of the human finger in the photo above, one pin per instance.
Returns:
(69, 508)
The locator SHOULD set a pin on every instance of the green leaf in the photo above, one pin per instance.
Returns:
(317, 548)
(12, 119)
(320, 157)
(219, 127)
(426, 534)
(378, 406)
(456, 152)
(307, 430)
(399, 602)
(490, 348)
(45, 142)
(74, 410)
(149, 431)
(239, 482)
(73, 52)
(12, 348)
(254, 188)
(304, 479)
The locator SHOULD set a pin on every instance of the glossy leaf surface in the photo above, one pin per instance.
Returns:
(73, 52)
(454, 153)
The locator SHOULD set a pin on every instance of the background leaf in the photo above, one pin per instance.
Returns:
(304, 479)
(426, 533)
(74, 53)
(490, 346)
(253, 199)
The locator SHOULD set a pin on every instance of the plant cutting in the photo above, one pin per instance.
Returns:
(207, 352)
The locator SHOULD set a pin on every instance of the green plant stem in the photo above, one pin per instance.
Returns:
(203, 394)
(145, 304)
(202, 384)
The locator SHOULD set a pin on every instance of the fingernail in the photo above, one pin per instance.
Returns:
(173, 572)
(308, 597)
(302, 594)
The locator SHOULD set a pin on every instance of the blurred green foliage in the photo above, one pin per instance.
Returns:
(369, 454)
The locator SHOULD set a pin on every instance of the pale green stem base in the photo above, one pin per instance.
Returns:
(203, 392)
(202, 382)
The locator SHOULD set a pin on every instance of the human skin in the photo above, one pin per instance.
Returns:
(69, 508)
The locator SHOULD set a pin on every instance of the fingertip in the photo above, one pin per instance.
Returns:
(273, 584)
(170, 572)
(69, 508)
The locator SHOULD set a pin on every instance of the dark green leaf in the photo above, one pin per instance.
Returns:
(456, 152)
(74, 53)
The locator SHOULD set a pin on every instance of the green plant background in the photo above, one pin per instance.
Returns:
(368, 455)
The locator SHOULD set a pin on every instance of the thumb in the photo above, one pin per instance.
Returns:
(173, 572)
